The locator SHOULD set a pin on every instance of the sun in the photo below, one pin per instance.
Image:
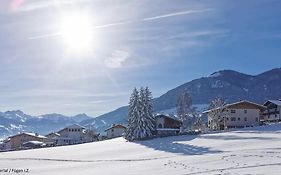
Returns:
(77, 32)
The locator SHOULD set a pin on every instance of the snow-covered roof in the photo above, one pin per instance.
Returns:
(116, 126)
(75, 126)
(30, 134)
(277, 102)
(167, 116)
(236, 103)
(34, 142)
(53, 133)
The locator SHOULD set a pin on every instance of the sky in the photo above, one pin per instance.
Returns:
(86, 56)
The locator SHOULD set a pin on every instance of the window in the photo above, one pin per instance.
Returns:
(233, 119)
(233, 111)
(238, 118)
(245, 111)
(227, 118)
(160, 125)
(245, 119)
(112, 130)
(257, 119)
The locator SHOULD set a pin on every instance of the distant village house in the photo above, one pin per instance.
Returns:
(116, 130)
(18, 140)
(272, 114)
(167, 125)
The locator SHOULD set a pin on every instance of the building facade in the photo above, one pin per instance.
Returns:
(16, 141)
(272, 113)
(72, 134)
(236, 115)
(167, 125)
(116, 130)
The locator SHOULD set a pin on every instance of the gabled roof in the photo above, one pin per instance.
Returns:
(258, 106)
(30, 134)
(115, 126)
(75, 126)
(53, 133)
(276, 102)
(167, 116)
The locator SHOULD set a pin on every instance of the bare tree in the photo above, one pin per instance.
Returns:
(185, 111)
(217, 114)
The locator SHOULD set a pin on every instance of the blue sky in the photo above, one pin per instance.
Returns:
(159, 43)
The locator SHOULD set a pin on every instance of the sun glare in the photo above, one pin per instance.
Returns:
(77, 32)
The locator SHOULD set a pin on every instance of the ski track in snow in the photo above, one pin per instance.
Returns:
(83, 161)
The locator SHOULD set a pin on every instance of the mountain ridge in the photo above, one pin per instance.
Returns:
(228, 84)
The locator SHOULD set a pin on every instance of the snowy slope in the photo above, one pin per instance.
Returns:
(248, 151)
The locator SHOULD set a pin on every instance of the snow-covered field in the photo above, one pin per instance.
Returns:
(246, 151)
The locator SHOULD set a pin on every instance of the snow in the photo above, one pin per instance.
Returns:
(244, 151)
(103, 122)
(216, 74)
(35, 135)
(246, 90)
(277, 102)
(219, 84)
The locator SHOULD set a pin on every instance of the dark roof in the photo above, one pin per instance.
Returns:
(167, 116)
(30, 134)
(276, 102)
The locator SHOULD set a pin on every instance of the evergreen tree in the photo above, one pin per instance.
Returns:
(133, 115)
(141, 123)
(149, 124)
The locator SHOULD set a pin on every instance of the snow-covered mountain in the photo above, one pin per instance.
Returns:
(228, 84)
(13, 122)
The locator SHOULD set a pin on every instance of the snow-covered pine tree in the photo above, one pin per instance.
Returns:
(141, 123)
(133, 116)
(150, 123)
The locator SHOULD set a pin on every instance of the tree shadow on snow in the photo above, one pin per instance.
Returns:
(233, 137)
(173, 145)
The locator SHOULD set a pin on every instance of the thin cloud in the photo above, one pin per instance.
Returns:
(175, 14)
(153, 18)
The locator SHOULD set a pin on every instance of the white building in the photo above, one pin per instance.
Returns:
(116, 130)
(73, 134)
(237, 115)
(272, 114)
